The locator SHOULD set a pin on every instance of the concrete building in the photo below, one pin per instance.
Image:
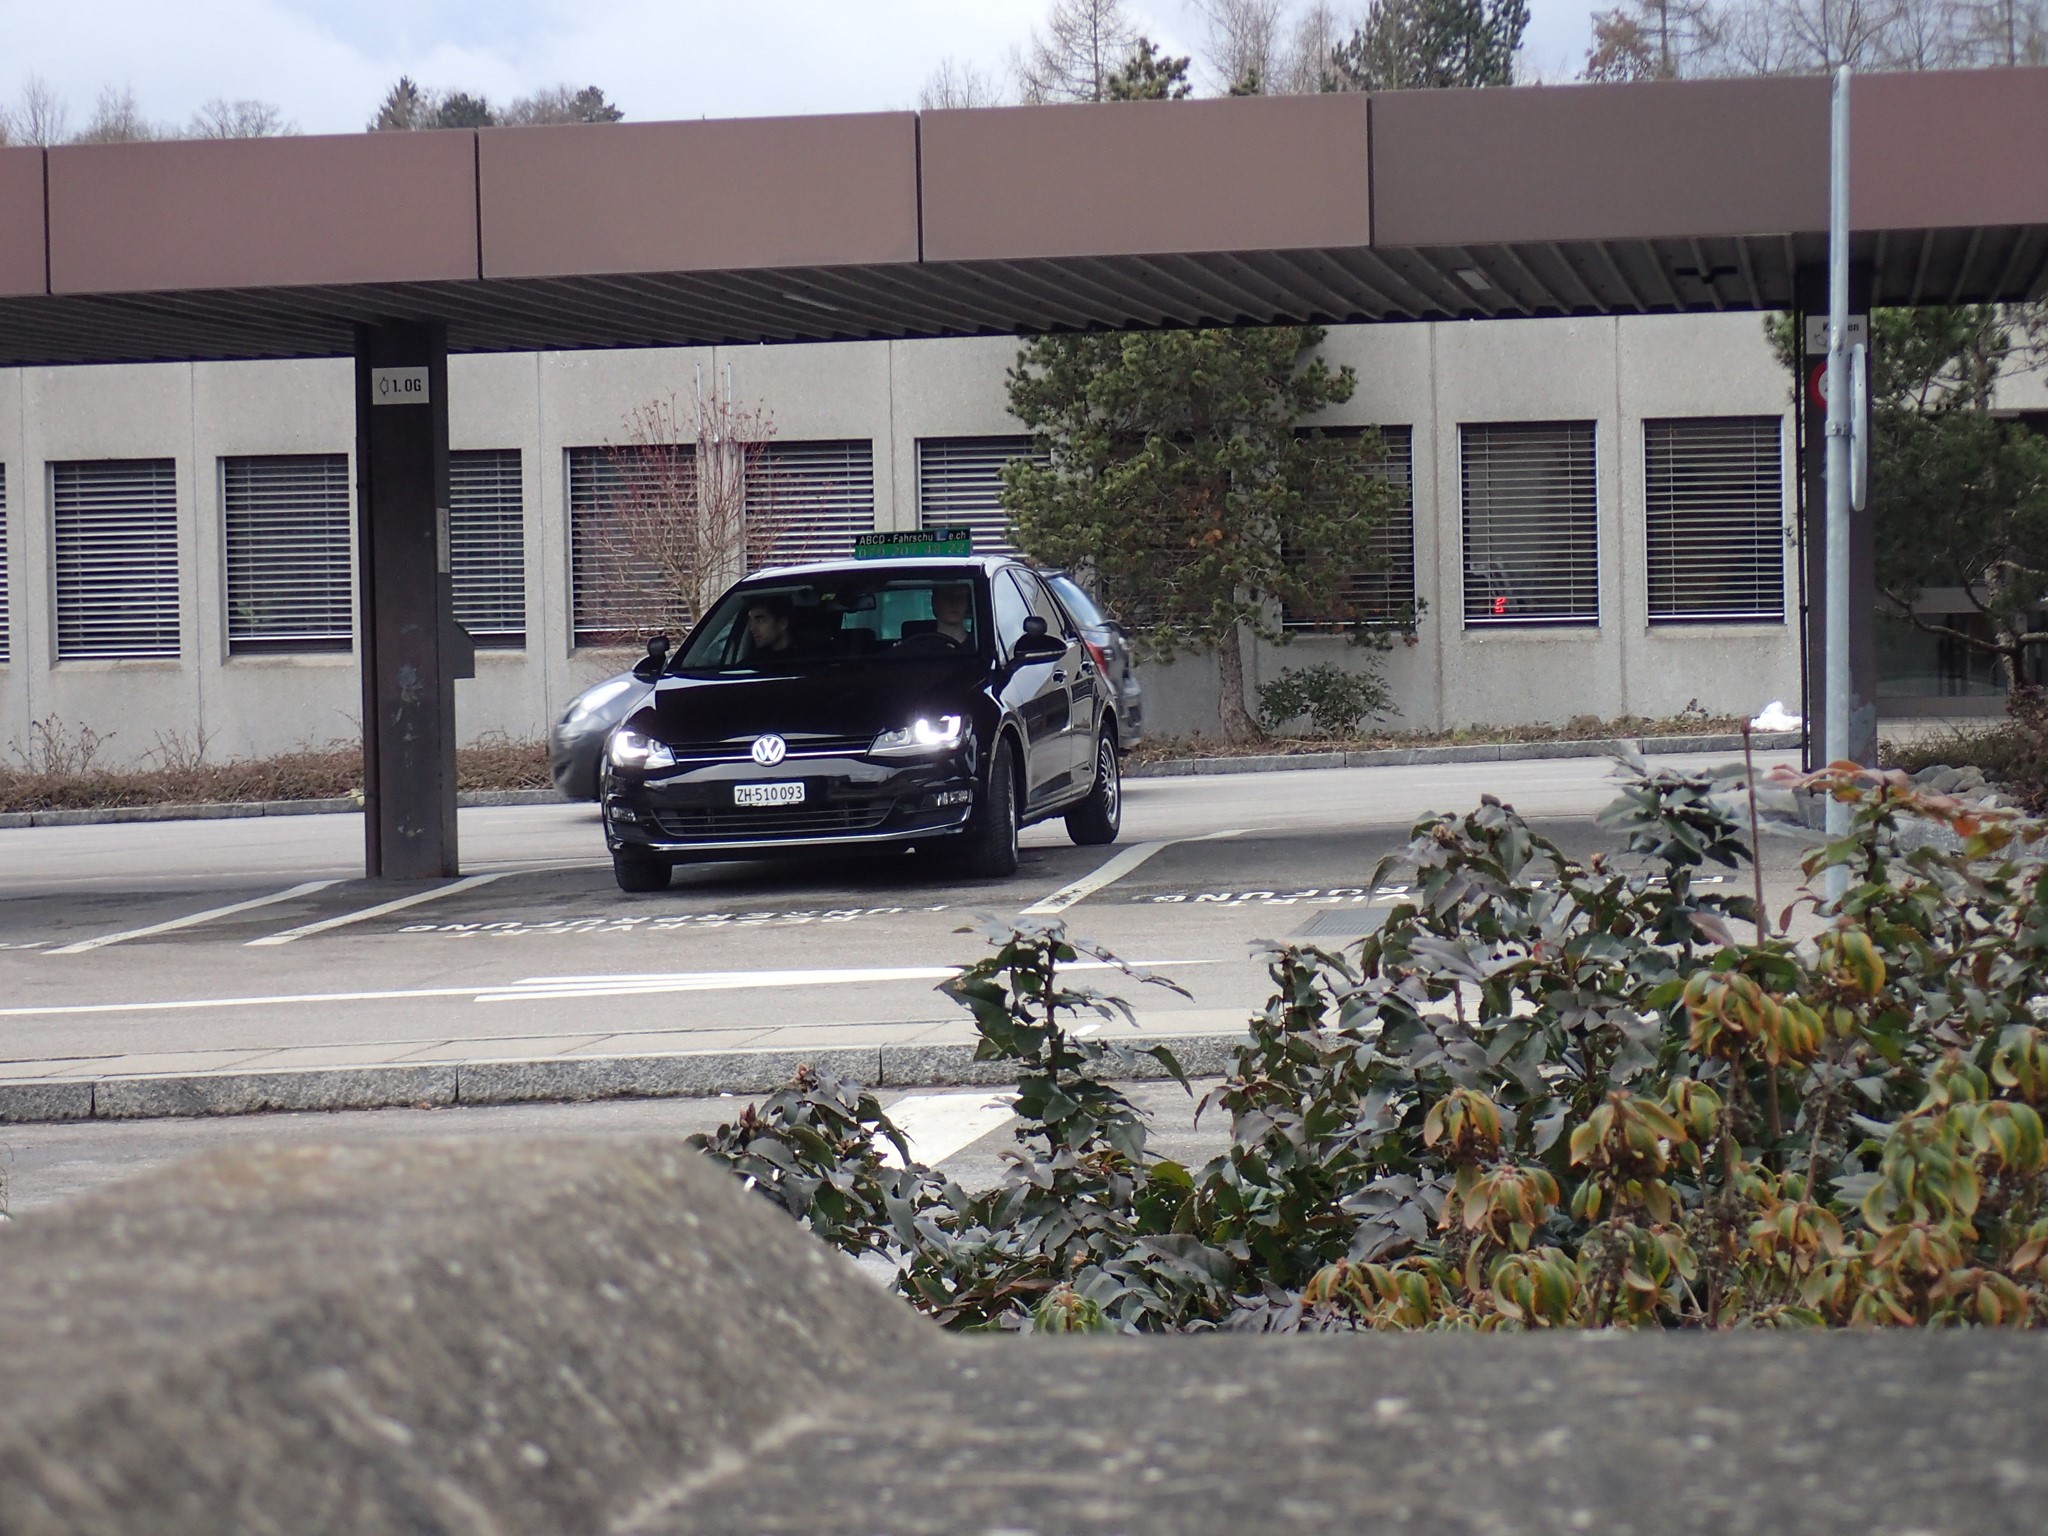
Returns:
(1601, 521)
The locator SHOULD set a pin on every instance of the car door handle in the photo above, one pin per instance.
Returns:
(1059, 674)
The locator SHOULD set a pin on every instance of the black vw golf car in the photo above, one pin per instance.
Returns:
(911, 700)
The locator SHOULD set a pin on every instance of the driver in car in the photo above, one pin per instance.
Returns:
(768, 627)
(951, 606)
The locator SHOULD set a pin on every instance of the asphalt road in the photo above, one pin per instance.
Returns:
(1226, 860)
(200, 943)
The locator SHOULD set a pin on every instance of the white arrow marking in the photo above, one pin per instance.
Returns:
(382, 907)
(1108, 874)
(194, 920)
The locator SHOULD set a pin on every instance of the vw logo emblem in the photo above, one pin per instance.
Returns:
(769, 750)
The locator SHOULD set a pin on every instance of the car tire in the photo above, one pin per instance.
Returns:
(1100, 817)
(991, 851)
(640, 872)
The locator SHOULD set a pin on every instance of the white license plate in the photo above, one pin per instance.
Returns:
(768, 794)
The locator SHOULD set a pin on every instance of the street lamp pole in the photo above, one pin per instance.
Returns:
(1835, 706)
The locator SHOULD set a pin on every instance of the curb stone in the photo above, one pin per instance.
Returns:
(1478, 752)
(237, 810)
(570, 1079)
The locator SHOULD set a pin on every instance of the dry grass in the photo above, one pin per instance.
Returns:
(327, 773)
(1155, 749)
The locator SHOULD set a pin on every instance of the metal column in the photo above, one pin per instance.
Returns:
(1810, 289)
(412, 648)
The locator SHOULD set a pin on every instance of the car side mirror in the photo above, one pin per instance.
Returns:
(1037, 646)
(648, 667)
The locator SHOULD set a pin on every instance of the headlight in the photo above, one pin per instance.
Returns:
(921, 736)
(589, 703)
(629, 749)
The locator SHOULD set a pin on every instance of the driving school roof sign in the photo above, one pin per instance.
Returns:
(922, 544)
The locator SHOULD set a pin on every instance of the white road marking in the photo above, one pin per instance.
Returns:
(470, 883)
(1108, 874)
(940, 1124)
(194, 919)
(553, 988)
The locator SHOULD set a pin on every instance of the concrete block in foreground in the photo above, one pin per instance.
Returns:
(503, 1337)
(509, 1337)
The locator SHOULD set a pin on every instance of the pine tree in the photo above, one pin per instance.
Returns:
(1149, 75)
(1432, 44)
(1180, 482)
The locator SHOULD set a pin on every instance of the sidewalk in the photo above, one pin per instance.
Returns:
(512, 1069)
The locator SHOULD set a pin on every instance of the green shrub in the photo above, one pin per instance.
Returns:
(1543, 1094)
(1334, 701)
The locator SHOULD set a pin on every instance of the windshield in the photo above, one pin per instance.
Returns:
(801, 626)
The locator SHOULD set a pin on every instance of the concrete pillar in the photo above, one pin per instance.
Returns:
(412, 649)
(1810, 289)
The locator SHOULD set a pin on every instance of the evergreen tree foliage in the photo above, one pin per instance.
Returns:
(1149, 75)
(405, 107)
(459, 109)
(1432, 44)
(1181, 482)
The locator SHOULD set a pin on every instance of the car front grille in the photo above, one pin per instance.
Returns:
(727, 823)
(742, 750)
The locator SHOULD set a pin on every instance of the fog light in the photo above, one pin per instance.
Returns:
(952, 797)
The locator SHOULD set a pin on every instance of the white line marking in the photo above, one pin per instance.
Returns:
(468, 884)
(1108, 874)
(543, 989)
(193, 920)
(938, 1125)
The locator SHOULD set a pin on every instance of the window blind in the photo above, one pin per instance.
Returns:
(287, 542)
(617, 505)
(1388, 592)
(815, 496)
(960, 485)
(115, 553)
(1714, 500)
(1532, 538)
(6, 629)
(487, 545)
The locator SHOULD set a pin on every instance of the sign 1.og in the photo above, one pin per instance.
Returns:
(398, 386)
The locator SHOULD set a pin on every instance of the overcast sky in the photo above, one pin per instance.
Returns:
(326, 63)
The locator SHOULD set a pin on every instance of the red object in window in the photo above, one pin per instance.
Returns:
(1500, 605)
(1101, 661)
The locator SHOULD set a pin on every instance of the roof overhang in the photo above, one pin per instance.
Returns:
(1582, 200)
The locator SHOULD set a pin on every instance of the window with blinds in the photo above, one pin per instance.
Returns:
(487, 545)
(287, 544)
(1531, 511)
(115, 553)
(960, 485)
(1714, 501)
(617, 505)
(816, 497)
(1386, 593)
(6, 627)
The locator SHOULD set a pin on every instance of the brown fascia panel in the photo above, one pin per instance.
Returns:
(22, 266)
(247, 213)
(1146, 178)
(699, 197)
(1948, 150)
(1668, 160)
